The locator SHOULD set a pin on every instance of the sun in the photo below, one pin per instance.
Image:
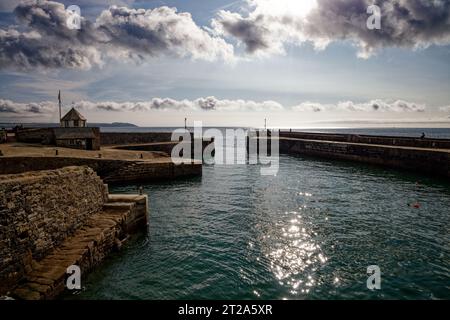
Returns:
(297, 8)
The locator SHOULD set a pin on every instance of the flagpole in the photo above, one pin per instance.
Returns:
(59, 103)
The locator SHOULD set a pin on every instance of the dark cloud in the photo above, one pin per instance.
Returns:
(404, 23)
(48, 42)
(118, 33)
(250, 31)
(30, 50)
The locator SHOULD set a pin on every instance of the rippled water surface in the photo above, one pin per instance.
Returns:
(308, 233)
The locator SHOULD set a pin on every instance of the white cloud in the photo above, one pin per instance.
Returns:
(208, 104)
(31, 108)
(370, 106)
(157, 31)
(118, 32)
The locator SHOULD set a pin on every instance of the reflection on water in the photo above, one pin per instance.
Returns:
(308, 233)
(293, 253)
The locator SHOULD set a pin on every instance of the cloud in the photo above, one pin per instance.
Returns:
(27, 50)
(253, 32)
(205, 104)
(44, 41)
(32, 108)
(163, 104)
(9, 5)
(118, 33)
(272, 24)
(371, 106)
(157, 31)
(311, 107)
(208, 104)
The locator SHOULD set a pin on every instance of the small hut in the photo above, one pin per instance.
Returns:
(73, 133)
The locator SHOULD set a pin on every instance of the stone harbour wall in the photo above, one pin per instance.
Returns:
(371, 139)
(436, 162)
(114, 138)
(128, 138)
(167, 147)
(142, 171)
(45, 136)
(111, 171)
(12, 165)
(39, 210)
(102, 234)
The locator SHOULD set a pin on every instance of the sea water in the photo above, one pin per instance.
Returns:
(308, 233)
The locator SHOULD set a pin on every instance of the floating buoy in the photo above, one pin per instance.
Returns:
(415, 205)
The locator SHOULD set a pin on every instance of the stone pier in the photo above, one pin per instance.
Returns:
(50, 220)
(428, 156)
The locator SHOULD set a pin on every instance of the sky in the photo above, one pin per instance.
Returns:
(296, 63)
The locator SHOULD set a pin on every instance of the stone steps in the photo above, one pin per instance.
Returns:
(86, 248)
